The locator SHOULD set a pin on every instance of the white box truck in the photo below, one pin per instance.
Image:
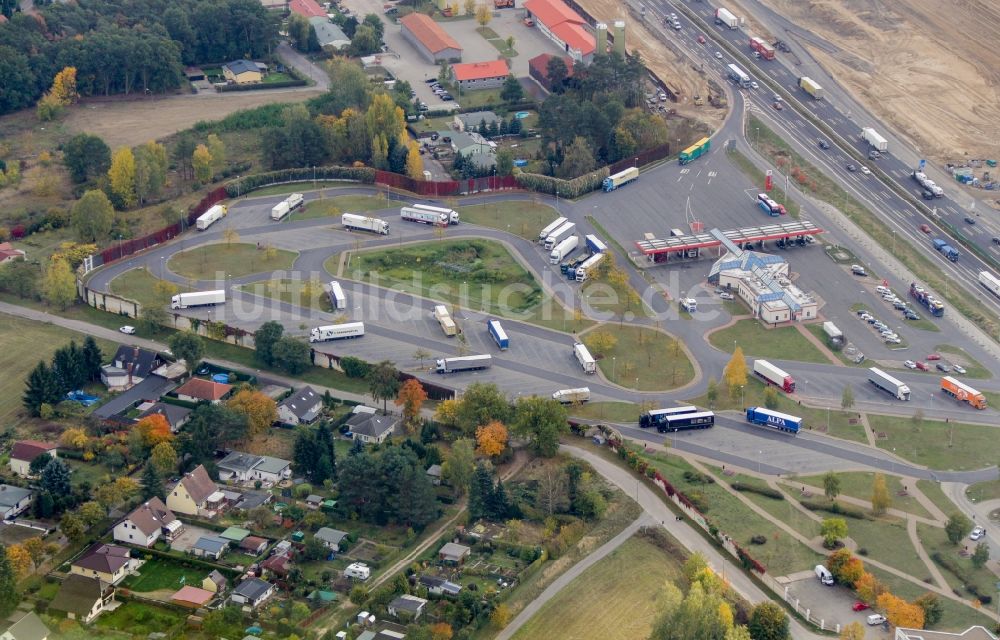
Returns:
(550, 227)
(569, 396)
(197, 299)
(726, 18)
(295, 201)
(444, 319)
(364, 223)
(210, 217)
(887, 383)
(464, 363)
(873, 138)
(337, 298)
(337, 331)
(558, 235)
(285, 207)
(583, 356)
(586, 269)
(563, 249)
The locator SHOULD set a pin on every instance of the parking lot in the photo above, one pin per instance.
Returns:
(832, 604)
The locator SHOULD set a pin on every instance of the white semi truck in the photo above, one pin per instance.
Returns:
(563, 249)
(569, 396)
(364, 223)
(210, 217)
(887, 383)
(337, 331)
(284, 207)
(559, 235)
(550, 227)
(197, 299)
(426, 214)
(586, 269)
(337, 298)
(583, 356)
(464, 363)
(873, 138)
(444, 319)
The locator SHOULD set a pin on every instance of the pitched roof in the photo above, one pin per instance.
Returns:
(540, 64)
(475, 118)
(252, 588)
(151, 516)
(143, 361)
(11, 495)
(198, 484)
(211, 544)
(434, 470)
(78, 594)
(194, 595)
(327, 32)
(106, 558)
(217, 578)
(454, 550)
(252, 543)
(174, 414)
(277, 564)
(28, 450)
(429, 33)
(235, 534)
(552, 12)
(204, 389)
(465, 71)
(29, 627)
(371, 425)
(236, 67)
(406, 602)
(307, 8)
(304, 403)
(326, 534)
(576, 36)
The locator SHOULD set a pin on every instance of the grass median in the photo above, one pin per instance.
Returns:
(758, 341)
(212, 261)
(936, 444)
(521, 217)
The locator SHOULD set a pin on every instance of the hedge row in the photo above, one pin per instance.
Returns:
(834, 508)
(962, 574)
(247, 184)
(767, 492)
(222, 88)
(566, 188)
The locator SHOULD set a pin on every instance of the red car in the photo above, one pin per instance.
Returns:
(923, 366)
(701, 39)
(926, 228)
(859, 606)
(934, 356)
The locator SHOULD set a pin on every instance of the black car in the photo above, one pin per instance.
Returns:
(851, 167)
(823, 144)
(926, 195)
(430, 80)
(910, 315)
(996, 240)
(970, 220)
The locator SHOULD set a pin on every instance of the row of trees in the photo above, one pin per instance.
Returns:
(386, 486)
(71, 367)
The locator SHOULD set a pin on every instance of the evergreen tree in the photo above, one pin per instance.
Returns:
(9, 596)
(44, 506)
(418, 504)
(480, 492)
(67, 367)
(38, 465)
(91, 359)
(42, 388)
(498, 505)
(152, 484)
(55, 478)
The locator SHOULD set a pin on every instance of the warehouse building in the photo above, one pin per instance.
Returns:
(427, 37)
(480, 75)
(563, 26)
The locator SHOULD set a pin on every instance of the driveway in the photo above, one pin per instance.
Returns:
(305, 66)
(832, 604)
(188, 537)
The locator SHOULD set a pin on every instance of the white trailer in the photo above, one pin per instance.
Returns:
(358, 571)
(587, 268)
(444, 319)
(337, 331)
(583, 356)
(279, 210)
(364, 223)
(210, 217)
(197, 299)
(887, 383)
(833, 332)
(990, 281)
(450, 214)
(774, 375)
(337, 297)
(563, 249)
(464, 363)
(294, 201)
(413, 214)
(549, 228)
(557, 236)
(873, 138)
(726, 18)
(568, 396)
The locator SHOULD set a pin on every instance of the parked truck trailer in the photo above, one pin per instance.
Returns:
(558, 235)
(464, 363)
(921, 295)
(774, 375)
(774, 419)
(963, 392)
(498, 334)
(569, 396)
(583, 356)
(595, 244)
(197, 299)
(887, 383)
(286, 206)
(563, 249)
(620, 179)
(210, 217)
(811, 87)
(550, 227)
(586, 269)
(337, 331)
(444, 319)
(364, 223)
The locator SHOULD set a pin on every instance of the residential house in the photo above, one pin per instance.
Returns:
(82, 598)
(372, 428)
(9, 254)
(279, 565)
(175, 415)
(110, 563)
(214, 582)
(242, 72)
(202, 390)
(28, 627)
(474, 120)
(252, 499)
(313, 501)
(439, 586)
(25, 451)
(407, 607)
(192, 597)
(147, 523)
(195, 494)
(307, 9)
(328, 34)
(454, 553)
(972, 633)
(471, 76)
(434, 474)
(331, 537)
(252, 592)
(253, 545)
(563, 26)
(301, 407)
(474, 147)
(429, 38)
(210, 547)
(13, 501)
(129, 367)
(247, 468)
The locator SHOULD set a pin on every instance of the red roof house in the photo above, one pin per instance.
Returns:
(197, 389)
(564, 26)
(25, 451)
(481, 75)
(538, 68)
(307, 8)
(7, 251)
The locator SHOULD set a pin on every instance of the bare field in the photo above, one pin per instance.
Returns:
(928, 68)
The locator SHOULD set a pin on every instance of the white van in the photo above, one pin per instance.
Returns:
(824, 575)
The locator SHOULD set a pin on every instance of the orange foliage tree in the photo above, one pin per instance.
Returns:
(260, 410)
(491, 439)
(441, 631)
(411, 397)
(901, 613)
(154, 429)
(844, 566)
(869, 588)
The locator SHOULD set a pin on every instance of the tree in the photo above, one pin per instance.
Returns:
(365, 41)
(491, 439)
(483, 12)
(853, 631)
(92, 513)
(699, 614)
(512, 90)
(600, 342)
(92, 358)
(411, 398)
(901, 613)
(383, 382)
(932, 606)
(153, 430)
(59, 284)
(9, 596)
(73, 438)
(981, 555)
(768, 622)
(188, 347)
(957, 527)
(260, 410)
(847, 397)
(712, 393)
(152, 318)
(264, 339)
(294, 356)
(201, 162)
(869, 588)
(414, 163)
(542, 421)
(735, 373)
(556, 71)
(86, 156)
(19, 277)
(39, 463)
(150, 169)
(771, 397)
(501, 616)
(72, 527)
(846, 568)
(832, 530)
(217, 149)
(552, 495)
(695, 564)
(20, 560)
(298, 31)
(880, 495)
(41, 388)
(505, 162)
(578, 159)
(55, 478)
(441, 631)
(121, 177)
(458, 468)
(164, 458)
(152, 483)
(831, 485)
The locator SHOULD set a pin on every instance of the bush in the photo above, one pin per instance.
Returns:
(247, 184)
(835, 508)
(698, 500)
(354, 367)
(960, 572)
(696, 477)
(767, 492)
(568, 188)
(758, 539)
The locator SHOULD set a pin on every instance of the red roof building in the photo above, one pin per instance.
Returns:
(538, 68)
(563, 26)
(197, 389)
(429, 38)
(481, 75)
(7, 251)
(192, 597)
(307, 8)
(25, 451)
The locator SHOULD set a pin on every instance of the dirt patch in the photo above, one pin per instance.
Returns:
(928, 70)
(133, 122)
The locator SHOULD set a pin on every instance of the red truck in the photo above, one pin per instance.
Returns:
(765, 50)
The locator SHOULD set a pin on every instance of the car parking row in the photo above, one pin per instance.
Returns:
(885, 332)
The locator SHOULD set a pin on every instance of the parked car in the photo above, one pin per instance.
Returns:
(958, 368)
(910, 315)
(926, 228)
(127, 330)
(934, 356)
(701, 39)
(910, 364)
(726, 296)
(893, 340)
(875, 619)
(977, 533)
(859, 606)
(923, 366)
(996, 240)
(927, 195)
(970, 220)
(943, 367)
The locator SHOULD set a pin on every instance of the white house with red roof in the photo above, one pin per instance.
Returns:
(25, 451)
(563, 26)
(9, 254)
(480, 75)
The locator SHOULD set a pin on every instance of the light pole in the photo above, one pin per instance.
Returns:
(743, 403)
(238, 186)
(614, 366)
(163, 267)
(756, 136)
(759, 453)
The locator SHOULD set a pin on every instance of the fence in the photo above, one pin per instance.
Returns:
(445, 188)
(434, 391)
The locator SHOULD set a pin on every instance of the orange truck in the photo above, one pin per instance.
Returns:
(962, 392)
(503, 4)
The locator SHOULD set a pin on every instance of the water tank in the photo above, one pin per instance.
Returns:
(620, 37)
(602, 38)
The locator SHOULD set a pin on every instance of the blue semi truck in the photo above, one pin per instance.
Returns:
(773, 419)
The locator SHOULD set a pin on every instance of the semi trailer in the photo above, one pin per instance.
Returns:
(773, 419)
(464, 363)
(364, 223)
(197, 299)
(498, 334)
(887, 383)
(337, 331)
(210, 217)
(569, 396)
(774, 375)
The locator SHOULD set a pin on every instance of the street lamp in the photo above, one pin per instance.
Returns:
(614, 365)
(759, 454)
(742, 401)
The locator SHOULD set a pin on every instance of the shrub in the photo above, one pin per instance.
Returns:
(835, 508)
(767, 492)
(698, 500)
(354, 367)
(758, 539)
(696, 477)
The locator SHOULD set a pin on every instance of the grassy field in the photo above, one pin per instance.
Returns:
(966, 447)
(141, 619)
(934, 493)
(935, 539)
(611, 411)
(988, 490)
(141, 285)
(644, 359)
(817, 330)
(581, 609)
(957, 616)
(960, 356)
(22, 344)
(522, 218)
(304, 293)
(159, 573)
(214, 261)
(858, 484)
(783, 510)
(887, 541)
(784, 343)
(337, 205)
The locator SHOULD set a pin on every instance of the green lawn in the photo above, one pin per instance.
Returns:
(644, 359)
(22, 344)
(858, 484)
(140, 619)
(581, 610)
(980, 491)
(960, 356)
(887, 541)
(159, 573)
(276, 76)
(337, 205)
(757, 176)
(783, 510)
(221, 261)
(611, 411)
(935, 539)
(523, 218)
(141, 285)
(817, 330)
(967, 447)
(784, 343)
(957, 616)
(309, 294)
(93, 473)
(934, 493)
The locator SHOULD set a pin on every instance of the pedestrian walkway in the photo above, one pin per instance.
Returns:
(816, 342)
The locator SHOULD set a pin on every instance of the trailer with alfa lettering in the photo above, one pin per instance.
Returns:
(773, 419)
